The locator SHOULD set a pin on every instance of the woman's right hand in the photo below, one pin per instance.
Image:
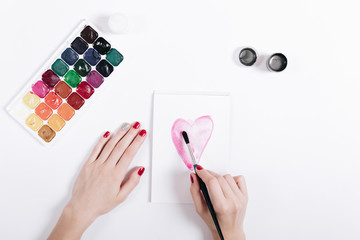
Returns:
(229, 198)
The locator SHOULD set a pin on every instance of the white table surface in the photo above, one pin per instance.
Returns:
(295, 134)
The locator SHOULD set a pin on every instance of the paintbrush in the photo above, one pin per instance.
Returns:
(203, 187)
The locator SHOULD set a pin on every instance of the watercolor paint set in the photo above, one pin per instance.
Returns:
(65, 84)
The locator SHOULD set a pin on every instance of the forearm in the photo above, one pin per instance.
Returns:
(70, 226)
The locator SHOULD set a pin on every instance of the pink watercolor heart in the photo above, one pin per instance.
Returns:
(199, 133)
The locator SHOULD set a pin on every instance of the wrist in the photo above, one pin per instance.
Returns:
(71, 225)
(215, 236)
(79, 219)
(81, 216)
(237, 235)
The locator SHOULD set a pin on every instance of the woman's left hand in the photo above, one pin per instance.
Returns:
(103, 182)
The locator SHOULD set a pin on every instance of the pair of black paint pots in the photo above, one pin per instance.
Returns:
(277, 62)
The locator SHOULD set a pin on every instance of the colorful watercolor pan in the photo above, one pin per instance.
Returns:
(65, 84)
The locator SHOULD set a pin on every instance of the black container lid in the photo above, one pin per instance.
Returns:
(247, 56)
(277, 62)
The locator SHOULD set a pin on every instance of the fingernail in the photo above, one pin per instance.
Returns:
(125, 126)
(136, 125)
(142, 133)
(107, 134)
(191, 178)
(198, 167)
(141, 171)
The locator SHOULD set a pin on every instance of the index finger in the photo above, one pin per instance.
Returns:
(213, 186)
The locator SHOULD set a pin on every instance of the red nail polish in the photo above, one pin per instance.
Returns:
(107, 134)
(198, 167)
(141, 171)
(136, 125)
(191, 178)
(142, 133)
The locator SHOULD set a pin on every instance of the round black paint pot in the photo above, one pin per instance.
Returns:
(277, 62)
(247, 56)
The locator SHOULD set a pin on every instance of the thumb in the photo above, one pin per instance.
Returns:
(131, 182)
(196, 195)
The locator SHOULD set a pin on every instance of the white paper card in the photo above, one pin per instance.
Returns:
(170, 177)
